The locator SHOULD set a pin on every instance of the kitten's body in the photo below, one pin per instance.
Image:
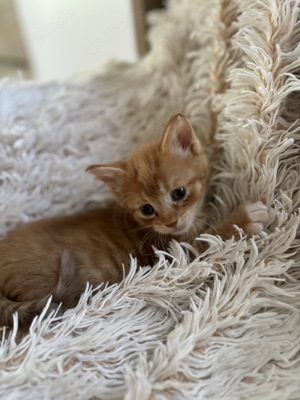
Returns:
(58, 256)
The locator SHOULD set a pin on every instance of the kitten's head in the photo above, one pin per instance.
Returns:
(163, 183)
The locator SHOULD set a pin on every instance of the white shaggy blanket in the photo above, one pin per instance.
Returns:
(226, 326)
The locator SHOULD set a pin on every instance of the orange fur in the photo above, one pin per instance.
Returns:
(58, 256)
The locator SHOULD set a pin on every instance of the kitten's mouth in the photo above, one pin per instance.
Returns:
(180, 229)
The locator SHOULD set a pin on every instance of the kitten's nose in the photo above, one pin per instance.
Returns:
(172, 224)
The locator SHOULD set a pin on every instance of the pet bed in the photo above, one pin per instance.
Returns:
(225, 325)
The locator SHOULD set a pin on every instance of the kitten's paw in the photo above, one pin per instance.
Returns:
(253, 217)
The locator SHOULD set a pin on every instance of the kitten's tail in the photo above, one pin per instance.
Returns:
(63, 292)
(26, 310)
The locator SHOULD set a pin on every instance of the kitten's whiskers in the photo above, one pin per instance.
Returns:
(148, 236)
(140, 228)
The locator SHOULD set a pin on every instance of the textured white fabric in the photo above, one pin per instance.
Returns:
(227, 325)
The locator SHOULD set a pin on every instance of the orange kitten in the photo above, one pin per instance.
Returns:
(159, 191)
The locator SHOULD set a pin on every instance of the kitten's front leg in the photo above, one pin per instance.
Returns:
(250, 217)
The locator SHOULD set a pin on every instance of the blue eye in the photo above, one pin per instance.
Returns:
(147, 210)
(178, 194)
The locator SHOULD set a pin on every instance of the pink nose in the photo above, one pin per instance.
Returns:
(172, 224)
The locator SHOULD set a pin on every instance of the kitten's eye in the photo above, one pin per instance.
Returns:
(147, 210)
(178, 194)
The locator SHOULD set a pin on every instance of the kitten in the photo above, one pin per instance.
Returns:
(160, 193)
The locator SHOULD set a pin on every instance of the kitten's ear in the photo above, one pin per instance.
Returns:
(180, 137)
(111, 174)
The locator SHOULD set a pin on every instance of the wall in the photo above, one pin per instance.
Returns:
(67, 37)
(13, 63)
